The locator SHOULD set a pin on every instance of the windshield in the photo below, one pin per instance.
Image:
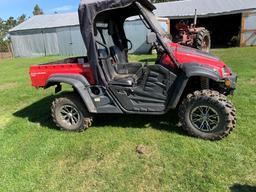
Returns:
(156, 24)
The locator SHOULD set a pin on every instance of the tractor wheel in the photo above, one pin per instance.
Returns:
(203, 40)
(69, 113)
(208, 115)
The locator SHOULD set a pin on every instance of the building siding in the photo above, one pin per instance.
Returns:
(67, 41)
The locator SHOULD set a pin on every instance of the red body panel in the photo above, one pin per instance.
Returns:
(41, 73)
(188, 55)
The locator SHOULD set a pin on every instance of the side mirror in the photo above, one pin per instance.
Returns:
(151, 38)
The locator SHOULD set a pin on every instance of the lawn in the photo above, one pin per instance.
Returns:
(35, 156)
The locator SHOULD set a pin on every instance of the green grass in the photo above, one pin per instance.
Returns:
(34, 156)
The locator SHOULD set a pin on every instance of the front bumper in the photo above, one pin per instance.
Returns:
(233, 80)
(230, 84)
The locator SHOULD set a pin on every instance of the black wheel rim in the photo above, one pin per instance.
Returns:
(70, 115)
(205, 118)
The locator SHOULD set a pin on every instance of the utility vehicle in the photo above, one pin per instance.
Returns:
(193, 82)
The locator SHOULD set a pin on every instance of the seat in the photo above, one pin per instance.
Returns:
(121, 61)
(111, 74)
(118, 55)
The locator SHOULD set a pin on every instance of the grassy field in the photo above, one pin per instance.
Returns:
(35, 156)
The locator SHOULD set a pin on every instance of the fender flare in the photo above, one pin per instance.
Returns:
(195, 69)
(189, 70)
(79, 82)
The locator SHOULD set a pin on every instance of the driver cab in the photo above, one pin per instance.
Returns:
(137, 87)
(112, 47)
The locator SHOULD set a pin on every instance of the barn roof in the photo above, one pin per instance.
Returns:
(48, 21)
(186, 8)
(176, 9)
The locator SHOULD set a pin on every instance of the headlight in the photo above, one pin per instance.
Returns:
(226, 72)
(228, 83)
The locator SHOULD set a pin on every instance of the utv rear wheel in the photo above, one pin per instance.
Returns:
(203, 40)
(69, 113)
(208, 115)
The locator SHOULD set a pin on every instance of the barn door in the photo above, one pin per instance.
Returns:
(78, 47)
(248, 30)
(65, 41)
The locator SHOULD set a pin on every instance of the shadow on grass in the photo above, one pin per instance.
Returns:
(39, 112)
(242, 188)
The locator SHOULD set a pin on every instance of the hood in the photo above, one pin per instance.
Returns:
(190, 55)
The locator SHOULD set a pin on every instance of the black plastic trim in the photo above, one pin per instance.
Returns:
(176, 91)
(132, 112)
(196, 69)
(79, 82)
(233, 80)
(189, 70)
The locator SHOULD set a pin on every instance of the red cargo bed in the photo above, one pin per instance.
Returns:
(39, 74)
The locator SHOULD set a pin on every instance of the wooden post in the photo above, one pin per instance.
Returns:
(242, 30)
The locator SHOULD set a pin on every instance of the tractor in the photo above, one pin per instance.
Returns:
(192, 82)
(192, 36)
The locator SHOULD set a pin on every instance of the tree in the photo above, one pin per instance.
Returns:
(5, 26)
(37, 10)
(21, 19)
(2, 28)
(10, 23)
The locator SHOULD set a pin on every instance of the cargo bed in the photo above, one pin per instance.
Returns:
(39, 74)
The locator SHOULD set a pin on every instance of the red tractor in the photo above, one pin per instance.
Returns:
(193, 36)
(193, 82)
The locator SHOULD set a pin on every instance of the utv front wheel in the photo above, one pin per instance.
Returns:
(208, 115)
(69, 113)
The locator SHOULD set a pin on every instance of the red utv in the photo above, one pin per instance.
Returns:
(194, 82)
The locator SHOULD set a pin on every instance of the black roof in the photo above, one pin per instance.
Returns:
(99, 5)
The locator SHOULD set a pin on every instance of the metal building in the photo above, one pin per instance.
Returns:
(43, 35)
(59, 34)
(225, 19)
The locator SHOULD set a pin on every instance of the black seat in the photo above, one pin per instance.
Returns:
(121, 61)
(110, 72)
(118, 55)
(118, 52)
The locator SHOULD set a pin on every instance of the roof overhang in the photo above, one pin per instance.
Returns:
(208, 15)
(205, 8)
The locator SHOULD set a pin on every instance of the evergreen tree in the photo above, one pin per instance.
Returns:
(37, 10)
(10, 23)
(5, 26)
(21, 19)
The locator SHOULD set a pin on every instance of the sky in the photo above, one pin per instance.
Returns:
(16, 8)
